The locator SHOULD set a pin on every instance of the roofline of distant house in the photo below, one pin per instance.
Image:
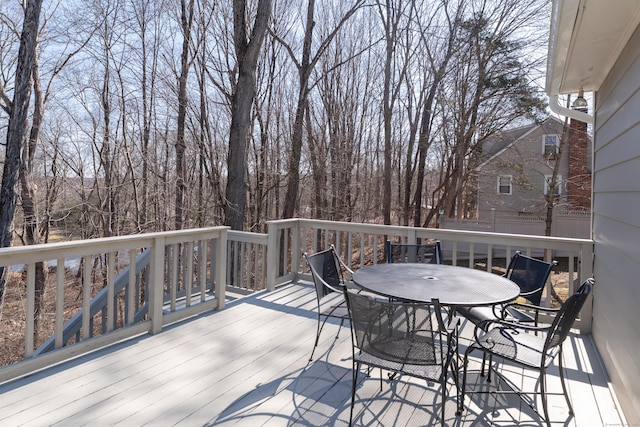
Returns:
(505, 148)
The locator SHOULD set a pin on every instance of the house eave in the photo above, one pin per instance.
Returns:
(586, 39)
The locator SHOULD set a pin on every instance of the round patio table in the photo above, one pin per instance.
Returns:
(451, 285)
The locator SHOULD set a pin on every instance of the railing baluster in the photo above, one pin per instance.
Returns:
(173, 283)
(31, 309)
(189, 273)
(490, 258)
(111, 311)
(87, 324)
(202, 268)
(131, 288)
(454, 253)
(572, 274)
(59, 302)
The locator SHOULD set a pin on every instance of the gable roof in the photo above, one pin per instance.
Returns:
(504, 140)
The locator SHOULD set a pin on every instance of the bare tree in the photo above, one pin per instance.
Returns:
(247, 48)
(305, 66)
(17, 130)
(395, 16)
(488, 90)
(438, 55)
(186, 25)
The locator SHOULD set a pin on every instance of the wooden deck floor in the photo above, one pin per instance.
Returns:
(248, 366)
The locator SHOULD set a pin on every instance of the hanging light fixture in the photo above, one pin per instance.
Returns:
(580, 102)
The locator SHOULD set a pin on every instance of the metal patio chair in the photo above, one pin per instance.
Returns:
(327, 270)
(515, 342)
(428, 253)
(531, 275)
(404, 338)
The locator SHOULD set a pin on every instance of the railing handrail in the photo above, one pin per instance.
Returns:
(440, 233)
(75, 248)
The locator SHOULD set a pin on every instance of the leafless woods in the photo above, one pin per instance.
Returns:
(148, 115)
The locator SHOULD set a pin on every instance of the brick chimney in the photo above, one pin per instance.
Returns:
(579, 179)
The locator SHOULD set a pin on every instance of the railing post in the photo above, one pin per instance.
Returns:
(296, 250)
(493, 219)
(411, 236)
(221, 269)
(272, 254)
(586, 271)
(156, 284)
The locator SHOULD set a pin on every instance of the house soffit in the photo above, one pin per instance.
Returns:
(586, 39)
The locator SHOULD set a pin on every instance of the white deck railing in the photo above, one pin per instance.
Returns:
(363, 244)
(181, 277)
(184, 273)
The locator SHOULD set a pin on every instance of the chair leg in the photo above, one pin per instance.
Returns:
(354, 378)
(543, 392)
(564, 385)
(340, 327)
(489, 367)
(465, 363)
(443, 386)
(318, 329)
(484, 361)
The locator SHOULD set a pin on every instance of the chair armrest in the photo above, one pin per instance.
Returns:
(346, 268)
(539, 308)
(528, 306)
(342, 264)
(487, 325)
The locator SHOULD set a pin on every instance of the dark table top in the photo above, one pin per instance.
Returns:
(453, 286)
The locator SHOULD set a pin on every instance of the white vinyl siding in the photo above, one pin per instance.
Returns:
(616, 227)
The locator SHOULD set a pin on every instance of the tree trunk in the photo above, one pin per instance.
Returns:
(28, 195)
(186, 21)
(17, 129)
(424, 138)
(304, 71)
(247, 51)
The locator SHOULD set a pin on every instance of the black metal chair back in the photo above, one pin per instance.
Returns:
(567, 315)
(430, 253)
(530, 275)
(325, 269)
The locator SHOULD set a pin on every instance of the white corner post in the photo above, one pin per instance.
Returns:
(221, 269)
(272, 254)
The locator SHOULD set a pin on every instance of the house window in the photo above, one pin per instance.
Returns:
(504, 184)
(551, 145)
(547, 184)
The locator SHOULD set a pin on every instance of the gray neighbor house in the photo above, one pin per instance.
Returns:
(521, 167)
(595, 46)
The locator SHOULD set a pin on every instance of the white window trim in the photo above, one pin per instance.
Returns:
(544, 143)
(547, 180)
(510, 184)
